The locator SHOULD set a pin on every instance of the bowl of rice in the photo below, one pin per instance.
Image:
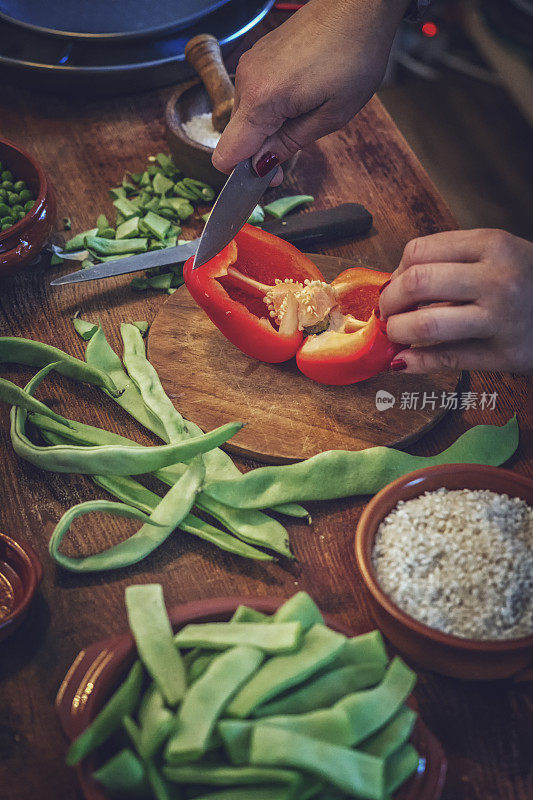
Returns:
(446, 555)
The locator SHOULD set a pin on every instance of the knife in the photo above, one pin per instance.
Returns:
(236, 201)
(312, 229)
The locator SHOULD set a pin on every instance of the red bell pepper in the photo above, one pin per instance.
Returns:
(264, 296)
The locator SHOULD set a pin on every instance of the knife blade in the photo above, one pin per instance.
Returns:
(142, 261)
(311, 229)
(236, 201)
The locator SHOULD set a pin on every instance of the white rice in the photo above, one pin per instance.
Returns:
(461, 562)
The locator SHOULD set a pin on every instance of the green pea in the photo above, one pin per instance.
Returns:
(7, 175)
(7, 220)
(16, 208)
(12, 198)
(7, 185)
(4, 210)
(29, 205)
(19, 185)
(25, 195)
(21, 214)
(5, 226)
(3, 194)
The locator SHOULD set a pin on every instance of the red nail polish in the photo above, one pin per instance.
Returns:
(267, 162)
(398, 364)
(384, 286)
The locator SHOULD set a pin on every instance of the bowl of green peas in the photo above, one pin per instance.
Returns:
(27, 208)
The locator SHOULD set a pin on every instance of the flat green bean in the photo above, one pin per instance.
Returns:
(341, 473)
(15, 396)
(325, 689)
(155, 721)
(84, 328)
(319, 647)
(150, 625)
(257, 792)
(107, 459)
(16, 350)
(369, 710)
(364, 649)
(392, 735)
(133, 731)
(299, 608)
(247, 614)
(146, 379)
(168, 514)
(135, 494)
(274, 638)
(101, 355)
(220, 775)
(399, 766)
(205, 700)
(123, 774)
(357, 774)
(109, 719)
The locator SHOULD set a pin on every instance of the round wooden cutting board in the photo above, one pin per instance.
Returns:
(288, 417)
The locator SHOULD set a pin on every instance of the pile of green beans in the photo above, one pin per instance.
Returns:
(178, 726)
(195, 472)
(150, 207)
(16, 199)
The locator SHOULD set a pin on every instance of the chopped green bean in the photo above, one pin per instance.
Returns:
(127, 208)
(275, 638)
(257, 217)
(162, 185)
(319, 647)
(113, 247)
(220, 775)
(392, 735)
(399, 766)
(369, 710)
(299, 608)
(123, 773)
(84, 328)
(357, 774)
(205, 700)
(324, 690)
(279, 208)
(78, 242)
(151, 629)
(109, 719)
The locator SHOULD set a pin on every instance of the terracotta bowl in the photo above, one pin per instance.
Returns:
(20, 575)
(97, 671)
(23, 242)
(193, 158)
(426, 647)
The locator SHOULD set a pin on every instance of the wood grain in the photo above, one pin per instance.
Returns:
(287, 416)
(86, 145)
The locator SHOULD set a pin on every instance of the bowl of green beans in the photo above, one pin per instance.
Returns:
(230, 698)
(27, 208)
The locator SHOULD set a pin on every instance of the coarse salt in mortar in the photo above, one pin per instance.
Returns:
(200, 129)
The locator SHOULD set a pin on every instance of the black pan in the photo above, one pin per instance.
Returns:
(113, 20)
(66, 66)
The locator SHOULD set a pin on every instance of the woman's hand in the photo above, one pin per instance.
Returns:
(463, 300)
(307, 78)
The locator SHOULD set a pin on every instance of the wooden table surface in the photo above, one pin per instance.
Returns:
(85, 146)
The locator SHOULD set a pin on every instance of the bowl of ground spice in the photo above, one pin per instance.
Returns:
(446, 554)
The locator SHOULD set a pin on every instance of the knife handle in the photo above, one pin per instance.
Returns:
(320, 227)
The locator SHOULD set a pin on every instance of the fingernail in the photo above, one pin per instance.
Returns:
(384, 286)
(397, 364)
(267, 162)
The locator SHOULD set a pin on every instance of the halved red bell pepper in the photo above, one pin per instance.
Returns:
(265, 296)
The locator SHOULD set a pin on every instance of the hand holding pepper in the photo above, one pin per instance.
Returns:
(462, 300)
